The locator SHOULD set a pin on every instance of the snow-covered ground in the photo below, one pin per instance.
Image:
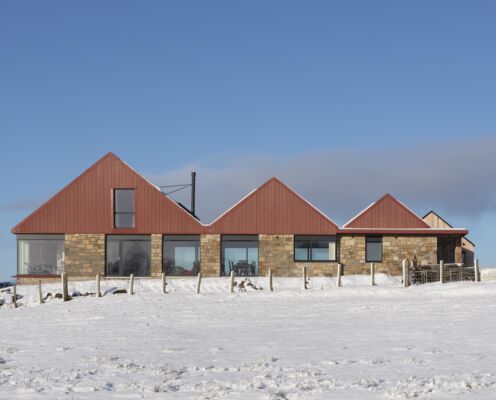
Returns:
(355, 342)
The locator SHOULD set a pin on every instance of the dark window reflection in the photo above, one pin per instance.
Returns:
(128, 254)
(181, 255)
(240, 254)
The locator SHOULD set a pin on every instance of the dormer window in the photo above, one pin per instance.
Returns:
(124, 208)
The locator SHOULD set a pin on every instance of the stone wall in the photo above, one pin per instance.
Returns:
(352, 254)
(84, 254)
(277, 253)
(394, 250)
(156, 249)
(210, 255)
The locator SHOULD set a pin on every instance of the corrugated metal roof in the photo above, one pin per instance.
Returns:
(273, 208)
(86, 205)
(387, 212)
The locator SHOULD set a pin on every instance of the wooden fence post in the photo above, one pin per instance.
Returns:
(40, 293)
(441, 271)
(231, 282)
(406, 283)
(98, 291)
(476, 270)
(65, 289)
(340, 272)
(164, 283)
(198, 283)
(372, 274)
(131, 284)
(14, 296)
(305, 278)
(271, 288)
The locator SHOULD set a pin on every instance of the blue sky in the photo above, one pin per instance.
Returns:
(239, 90)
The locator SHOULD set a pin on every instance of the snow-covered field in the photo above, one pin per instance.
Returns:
(355, 342)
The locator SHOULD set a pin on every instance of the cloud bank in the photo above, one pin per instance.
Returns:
(455, 178)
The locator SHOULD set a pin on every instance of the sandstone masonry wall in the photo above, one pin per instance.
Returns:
(210, 254)
(394, 250)
(156, 253)
(277, 253)
(84, 254)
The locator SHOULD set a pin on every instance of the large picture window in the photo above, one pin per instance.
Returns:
(315, 248)
(40, 254)
(124, 208)
(373, 249)
(181, 255)
(128, 254)
(240, 254)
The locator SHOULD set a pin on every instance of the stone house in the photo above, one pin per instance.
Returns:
(112, 221)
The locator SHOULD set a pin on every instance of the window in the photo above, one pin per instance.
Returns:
(124, 208)
(373, 249)
(240, 254)
(128, 254)
(40, 254)
(181, 255)
(315, 248)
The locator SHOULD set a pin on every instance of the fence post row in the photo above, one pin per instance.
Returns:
(131, 284)
(441, 271)
(406, 282)
(198, 283)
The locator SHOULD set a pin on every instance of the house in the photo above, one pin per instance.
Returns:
(112, 221)
(467, 246)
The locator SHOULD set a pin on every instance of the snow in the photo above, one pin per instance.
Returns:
(356, 342)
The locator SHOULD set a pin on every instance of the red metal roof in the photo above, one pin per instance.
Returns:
(273, 208)
(86, 205)
(387, 213)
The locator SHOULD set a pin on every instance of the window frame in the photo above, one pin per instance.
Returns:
(130, 238)
(366, 248)
(316, 239)
(41, 237)
(239, 238)
(115, 212)
(181, 238)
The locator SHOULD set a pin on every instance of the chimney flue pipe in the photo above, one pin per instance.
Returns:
(193, 189)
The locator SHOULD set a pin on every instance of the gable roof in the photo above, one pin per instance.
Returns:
(387, 213)
(435, 220)
(273, 208)
(86, 205)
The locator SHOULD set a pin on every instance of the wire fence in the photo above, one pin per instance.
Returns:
(431, 273)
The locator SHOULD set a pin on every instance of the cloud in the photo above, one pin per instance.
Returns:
(21, 205)
(453, 178)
